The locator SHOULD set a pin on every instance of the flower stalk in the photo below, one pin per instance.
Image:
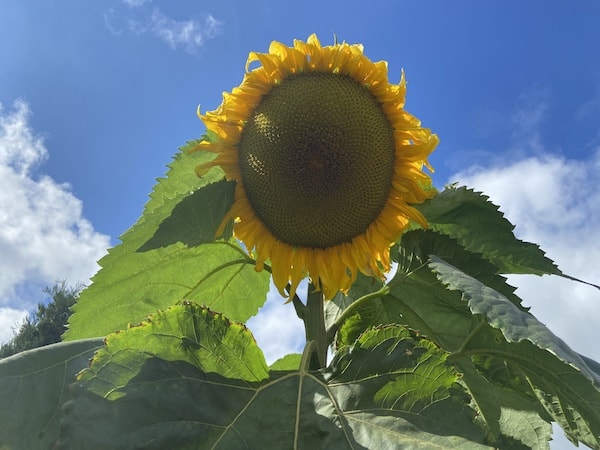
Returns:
(314, 324)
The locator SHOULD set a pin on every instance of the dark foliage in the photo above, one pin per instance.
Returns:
(47, 324)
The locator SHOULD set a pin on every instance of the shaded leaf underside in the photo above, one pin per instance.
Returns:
(33, 386)
(567, 388)
(170, 381)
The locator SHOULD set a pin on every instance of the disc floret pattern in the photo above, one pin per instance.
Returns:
(304, 163)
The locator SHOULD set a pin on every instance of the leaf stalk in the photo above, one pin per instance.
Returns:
(350, 310)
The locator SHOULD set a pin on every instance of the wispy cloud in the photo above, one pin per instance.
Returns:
(190, 34)
(43, 234)
(110, 22)
(135, 3)
(527, 119)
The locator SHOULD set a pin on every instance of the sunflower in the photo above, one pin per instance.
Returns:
(327, 163)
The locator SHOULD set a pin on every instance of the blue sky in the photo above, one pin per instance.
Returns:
(97, 96)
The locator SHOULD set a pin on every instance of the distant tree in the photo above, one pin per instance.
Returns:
(47, 324)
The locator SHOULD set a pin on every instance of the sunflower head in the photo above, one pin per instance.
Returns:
(326, 160)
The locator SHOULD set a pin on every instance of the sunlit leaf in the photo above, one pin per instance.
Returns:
(184, 332)
(334, 308)
(287, 362)
(168, 255)
(33, 386)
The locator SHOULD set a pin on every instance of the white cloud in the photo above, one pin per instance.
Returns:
(10, 320)
(20, 150)
(110, 22)
(276, 328)
(43, 236)
(189, 34)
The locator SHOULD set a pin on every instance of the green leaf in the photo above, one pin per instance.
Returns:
(527, 357)
(33, 386)
(415, 298)
(165, 257)
(333, 309)
(195, 219)
(184, 332)
(561, 391)
(391, 373)
(189, 377)
(504, 411)
(507, 407)
(287, 362)
(416, 246)
(515, 325)
(480, 227)
(219, 275)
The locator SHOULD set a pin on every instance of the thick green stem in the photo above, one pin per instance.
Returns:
(314, 324)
